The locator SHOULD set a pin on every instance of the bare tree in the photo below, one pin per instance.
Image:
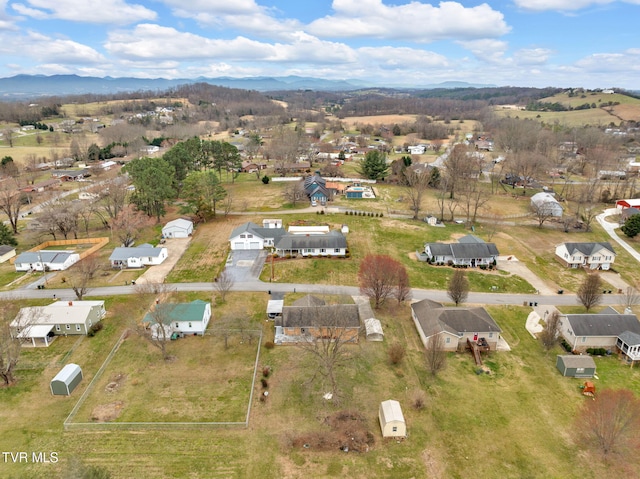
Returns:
(223, 284)
(542, 211)
(630, 297)
(458, 288)
(294, 192)
(60, 215)
(128, 224)
(11, 201)
(590, 291)
(417, 183)
(380, 277)
(472, 196)
(610, 423)
(328, 347)
(156, 326)
(7, 135)
(10, 344)
(114, 197)
(84, 271)
(549, 334)
(435, 354)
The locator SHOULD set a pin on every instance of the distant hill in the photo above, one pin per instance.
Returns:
(33, 86)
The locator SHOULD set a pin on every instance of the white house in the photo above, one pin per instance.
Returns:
(179, 228)
(587, 255)
(251, 236)
(391, 419)
(38, 324)
(546, 204)
(46, 260)
(331, 244)
(416, 150)
(138, 256)
(183, 319)
(600, 330)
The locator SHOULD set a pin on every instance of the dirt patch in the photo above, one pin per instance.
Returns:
(435, 467)
(107, 412)
(379, 119)
(347, 431)
(115, 382)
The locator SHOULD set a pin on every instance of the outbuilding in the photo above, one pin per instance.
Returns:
(179, 228)
(391, 419)
(66, 380)
(576, 366)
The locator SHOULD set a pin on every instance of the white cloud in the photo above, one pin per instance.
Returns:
(489, 51)
(419, 22)
(626, 62)
(558, 5)
(215, 7)
(41, 47)
(148, 41)
(116, 12)
(401, 58)
(532, 56)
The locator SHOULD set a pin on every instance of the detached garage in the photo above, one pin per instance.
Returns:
(576, 366)
(391, 419)
(66, 380)
(179, 228)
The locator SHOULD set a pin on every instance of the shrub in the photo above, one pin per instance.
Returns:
(266, 371)
(396, 353)
(419, 399)
(565, 345)
(269, 345)
(381, 215)
(265, 383)
(94, 329)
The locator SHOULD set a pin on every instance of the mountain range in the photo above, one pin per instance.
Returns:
(24, 87)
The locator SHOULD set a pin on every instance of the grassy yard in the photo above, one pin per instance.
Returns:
(517, 421)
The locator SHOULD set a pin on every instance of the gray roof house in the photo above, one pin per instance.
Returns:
(39, 324)
(599, 330)
(469, 250)
(137, 256)
(333, 243)
(310, 318)
(48, 260)
(455, 324)
(589, 255)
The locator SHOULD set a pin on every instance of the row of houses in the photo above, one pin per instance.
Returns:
(472, 251)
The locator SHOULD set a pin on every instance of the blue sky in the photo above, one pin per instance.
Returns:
(559, 43)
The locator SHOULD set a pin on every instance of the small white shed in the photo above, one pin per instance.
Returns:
(66, 380)
(373, 329)
(179, 228)
(391, 419)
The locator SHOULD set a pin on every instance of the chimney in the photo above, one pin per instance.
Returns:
(70, 303)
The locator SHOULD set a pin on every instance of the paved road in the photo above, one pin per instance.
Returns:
(610, 228)
(255, 285)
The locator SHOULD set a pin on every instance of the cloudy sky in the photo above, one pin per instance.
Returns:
(560, 43)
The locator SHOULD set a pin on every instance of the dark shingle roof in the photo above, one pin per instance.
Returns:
(336, 315)
(588, 248)
(630, 339)
(434, 318)
(259, 231)
(333, 239)
(577, 361)
(309, 300)
(603, 324)
(464, 250)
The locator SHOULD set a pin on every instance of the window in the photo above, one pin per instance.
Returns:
(491, 335)
(336, 250)
(67, 326)
(395, 429)
(243, 236)
(177, 325)
(584, 339)
(579, 370)
(323, 250)
(78, 327)
(189, 323)
(249, 236)
(448, 340)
